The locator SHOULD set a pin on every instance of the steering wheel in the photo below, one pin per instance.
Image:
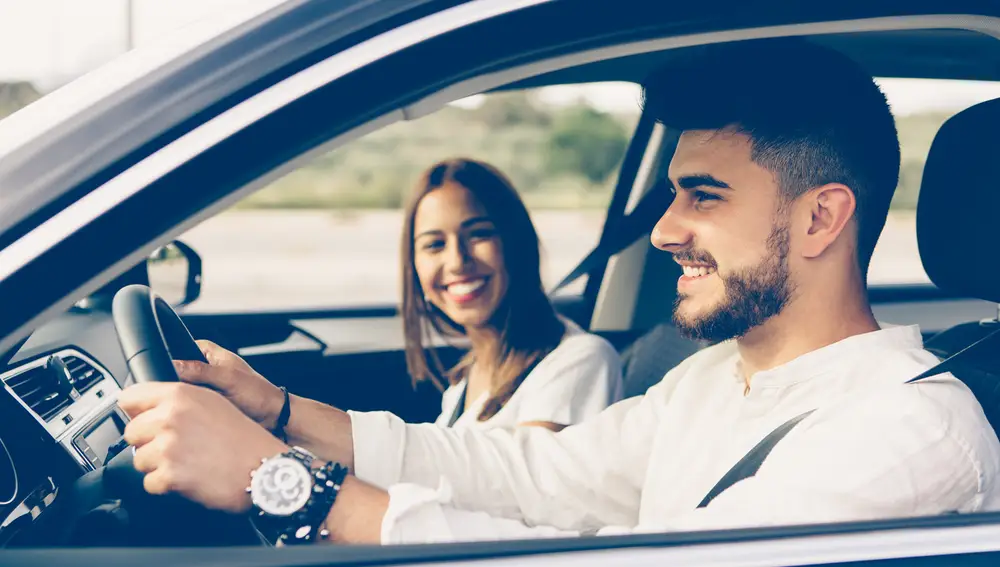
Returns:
(151, 334)
(111, 503)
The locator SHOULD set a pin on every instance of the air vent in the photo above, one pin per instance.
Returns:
(81, 374)
(43, 389)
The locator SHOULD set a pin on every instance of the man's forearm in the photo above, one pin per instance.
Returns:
(324, 430)
(358, 515)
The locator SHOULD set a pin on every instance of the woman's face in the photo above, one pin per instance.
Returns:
(458, 255)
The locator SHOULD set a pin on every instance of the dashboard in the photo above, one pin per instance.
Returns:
(58, 417)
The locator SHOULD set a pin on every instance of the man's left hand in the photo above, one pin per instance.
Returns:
(191, 441)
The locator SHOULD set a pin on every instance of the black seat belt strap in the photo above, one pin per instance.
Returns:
(630, 229)
(459, 407)
(751, 462)
(946, 364)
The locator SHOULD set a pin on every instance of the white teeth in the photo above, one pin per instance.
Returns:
(697, 271)
(465, 288)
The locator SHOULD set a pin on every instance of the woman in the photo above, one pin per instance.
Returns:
(471, 269)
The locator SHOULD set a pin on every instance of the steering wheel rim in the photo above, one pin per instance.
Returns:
(151, 335)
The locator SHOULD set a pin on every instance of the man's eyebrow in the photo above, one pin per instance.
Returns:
(701, 180)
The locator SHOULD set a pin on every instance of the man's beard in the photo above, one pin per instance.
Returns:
(752, 296)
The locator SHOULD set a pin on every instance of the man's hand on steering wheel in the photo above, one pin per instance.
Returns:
(202, 443)
(229, 374)
(192, 441)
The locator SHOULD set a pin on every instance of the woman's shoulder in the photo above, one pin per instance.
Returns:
(580, 377)
(577, 342)
(580, 357)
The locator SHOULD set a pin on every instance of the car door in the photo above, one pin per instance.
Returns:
(197, 185)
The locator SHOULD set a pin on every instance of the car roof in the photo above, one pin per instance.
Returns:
(919, 53)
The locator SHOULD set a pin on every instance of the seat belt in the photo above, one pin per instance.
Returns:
(752, 461)
(947, 364)
(632, 227)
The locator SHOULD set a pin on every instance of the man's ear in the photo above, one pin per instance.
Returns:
(831, 208)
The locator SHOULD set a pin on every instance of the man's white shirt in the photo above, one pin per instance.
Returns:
(875, 447)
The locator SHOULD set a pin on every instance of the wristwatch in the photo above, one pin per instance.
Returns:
(292, 496)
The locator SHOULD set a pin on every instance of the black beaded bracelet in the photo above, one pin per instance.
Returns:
(337, 474)
(283, 416)
(310, 525)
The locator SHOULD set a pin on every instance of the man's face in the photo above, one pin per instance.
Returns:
(728, 231)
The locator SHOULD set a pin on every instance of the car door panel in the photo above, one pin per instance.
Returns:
(351, 360)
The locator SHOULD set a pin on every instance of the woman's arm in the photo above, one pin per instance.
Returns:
(576, 381)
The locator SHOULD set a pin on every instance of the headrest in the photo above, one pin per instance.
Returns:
(958, 210)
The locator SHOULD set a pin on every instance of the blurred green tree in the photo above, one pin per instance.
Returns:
(587, 142)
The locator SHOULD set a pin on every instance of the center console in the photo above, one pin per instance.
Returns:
(58, 420)
(101, 438)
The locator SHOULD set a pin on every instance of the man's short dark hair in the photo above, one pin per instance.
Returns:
(813, 116)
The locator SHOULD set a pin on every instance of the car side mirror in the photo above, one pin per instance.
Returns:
(174, 271)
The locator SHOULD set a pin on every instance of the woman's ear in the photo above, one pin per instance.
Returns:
(830, 209)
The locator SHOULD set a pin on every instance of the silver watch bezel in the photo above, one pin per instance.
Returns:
(291, 473)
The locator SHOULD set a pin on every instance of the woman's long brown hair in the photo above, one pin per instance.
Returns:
(528, 326)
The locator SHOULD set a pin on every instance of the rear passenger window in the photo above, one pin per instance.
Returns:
(920, 106)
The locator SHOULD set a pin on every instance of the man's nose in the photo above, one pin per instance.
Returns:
(672, 232)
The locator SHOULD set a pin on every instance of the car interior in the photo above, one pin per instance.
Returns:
(65, 376)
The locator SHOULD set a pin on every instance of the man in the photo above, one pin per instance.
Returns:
(783, 177)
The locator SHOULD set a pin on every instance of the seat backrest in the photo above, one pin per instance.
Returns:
(651, 356)
(958, 239)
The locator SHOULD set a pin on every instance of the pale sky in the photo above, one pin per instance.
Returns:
(45, 41)
(49, 41)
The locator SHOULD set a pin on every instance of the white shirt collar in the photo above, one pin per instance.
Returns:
(828, 358)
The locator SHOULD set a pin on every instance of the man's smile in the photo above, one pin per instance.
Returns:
(694, 272)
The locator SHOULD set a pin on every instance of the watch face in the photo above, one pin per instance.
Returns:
(281, 486)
